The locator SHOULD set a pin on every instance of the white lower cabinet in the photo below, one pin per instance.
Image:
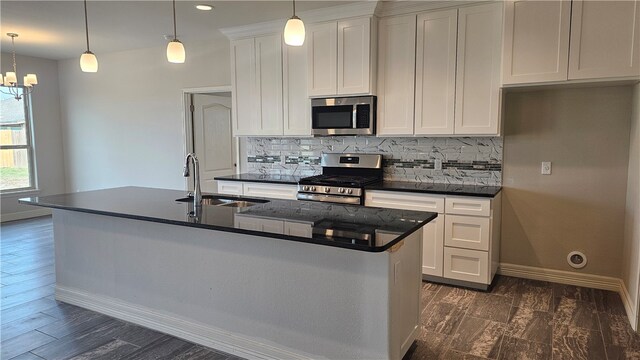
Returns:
(273, 191)
(432, 246)
(462, 243)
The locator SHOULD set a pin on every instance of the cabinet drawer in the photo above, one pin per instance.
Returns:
(466, 265)
(404, 201)
(468, 206)
(276, 191)
(467, 232)
(230, 187)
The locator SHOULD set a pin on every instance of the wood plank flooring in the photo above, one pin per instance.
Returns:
(517, 319)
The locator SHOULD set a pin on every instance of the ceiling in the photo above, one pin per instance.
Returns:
(55, 29)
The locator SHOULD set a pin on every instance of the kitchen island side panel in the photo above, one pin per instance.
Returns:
(253, 296)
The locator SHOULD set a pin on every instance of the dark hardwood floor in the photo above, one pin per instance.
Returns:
(518, 319)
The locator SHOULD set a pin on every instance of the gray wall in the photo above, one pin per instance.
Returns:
(581, 206)
(631, 252)
(47, 132)
(124, 124)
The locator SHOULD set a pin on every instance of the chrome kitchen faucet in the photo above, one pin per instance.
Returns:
(197, 195)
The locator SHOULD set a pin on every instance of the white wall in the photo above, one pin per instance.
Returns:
(631, 253)
(46, 131)
(124, 124)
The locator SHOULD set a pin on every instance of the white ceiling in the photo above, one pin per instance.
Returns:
(55, 29)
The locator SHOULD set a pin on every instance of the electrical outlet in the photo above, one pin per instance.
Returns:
(437, 164)
(546, 168)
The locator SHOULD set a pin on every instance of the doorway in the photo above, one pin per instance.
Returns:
(208, 134)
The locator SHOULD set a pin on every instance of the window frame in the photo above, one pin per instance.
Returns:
(29, 146)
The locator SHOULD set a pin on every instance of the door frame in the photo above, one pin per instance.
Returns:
(187, 121)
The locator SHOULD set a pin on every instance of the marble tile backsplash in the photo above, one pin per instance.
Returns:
(465, 160)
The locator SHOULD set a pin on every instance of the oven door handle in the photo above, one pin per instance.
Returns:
(330, 198)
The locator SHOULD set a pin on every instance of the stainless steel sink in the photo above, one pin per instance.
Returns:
(213, 200)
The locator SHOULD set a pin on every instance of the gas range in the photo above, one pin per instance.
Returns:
(343, 178)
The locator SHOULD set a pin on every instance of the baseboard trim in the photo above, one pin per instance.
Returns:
(576, 279)
(24, 215)
(177, 326)
(629, 306)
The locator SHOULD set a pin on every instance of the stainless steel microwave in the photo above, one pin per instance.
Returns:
(344, 116)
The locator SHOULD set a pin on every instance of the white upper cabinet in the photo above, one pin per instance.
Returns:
(605, 39)
(354, 46)
(396, 75)
(477, 108)
(339, 58)
(256, 67)
(436, 72)
(322, 47)
(551, 41)
(269, 76)
(536, 41)
(297, 106)
(243, 83)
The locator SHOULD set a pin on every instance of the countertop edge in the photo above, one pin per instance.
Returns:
(387, 246)
(435, 192)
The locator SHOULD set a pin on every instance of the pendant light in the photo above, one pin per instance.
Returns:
(88, 60)
(294, 30)
(175, 49)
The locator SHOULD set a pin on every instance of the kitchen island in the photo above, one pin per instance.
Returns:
(262, 279)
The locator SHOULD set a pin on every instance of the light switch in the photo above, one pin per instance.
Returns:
(546, 168)
(437, 164)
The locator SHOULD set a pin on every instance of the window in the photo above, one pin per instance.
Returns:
(16, 150)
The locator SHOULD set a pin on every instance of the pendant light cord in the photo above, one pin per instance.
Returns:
(86, 24)
(175, 34)
(294, 7)
(13, 46)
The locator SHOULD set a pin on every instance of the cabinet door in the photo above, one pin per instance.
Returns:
(433, 246)
(536, 41)
(298, 229)
(243, 83)
(297, 106)
(396, 75)
(436, 72)
(354, 56)
(322, 51)
(269, 84)
(604, 39)
(478, 70)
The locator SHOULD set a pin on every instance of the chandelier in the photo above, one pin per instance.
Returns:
(10, 80)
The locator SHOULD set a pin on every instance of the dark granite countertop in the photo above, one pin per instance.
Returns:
(405, 186)
(431, 188)
(273, 179)
(386, 227)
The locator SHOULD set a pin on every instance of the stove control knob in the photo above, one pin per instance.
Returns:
(349, 191)
(326, 189)
(341, 190)
(313, 188)
(305, 188)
